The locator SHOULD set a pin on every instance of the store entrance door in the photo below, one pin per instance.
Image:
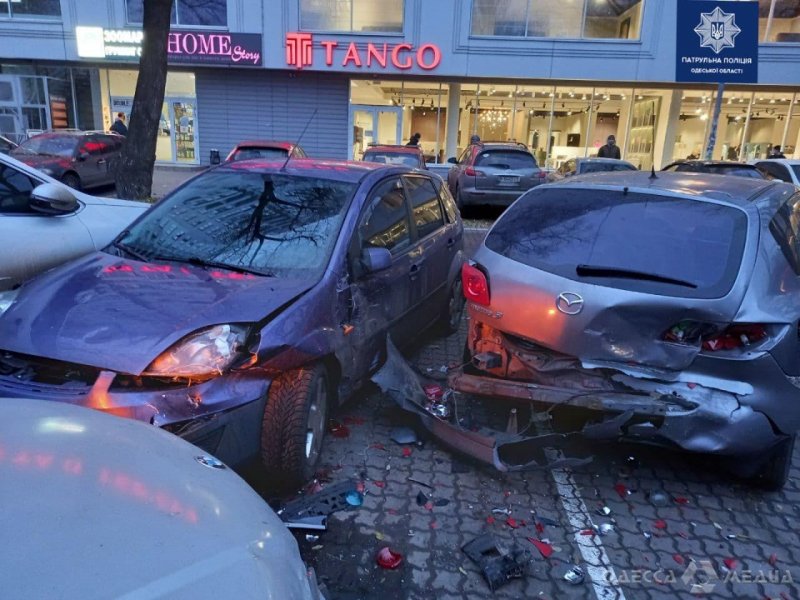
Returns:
(373, 125)
(177, 131)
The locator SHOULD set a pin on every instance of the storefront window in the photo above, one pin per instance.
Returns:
(381, 16)
(618, 19)
(642, 140)
(30, 8)
(768, 118)
(779, 20)
(791, 142)
(206, 13)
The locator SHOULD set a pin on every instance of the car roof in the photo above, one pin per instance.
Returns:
(712, 163)
(736, 190)
(337, 170)
(392, 148)
(265, 144)
(782, 161)
(601, 159)
(518, 146)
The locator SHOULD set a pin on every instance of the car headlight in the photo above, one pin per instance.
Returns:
(207, 352)
(7, 298)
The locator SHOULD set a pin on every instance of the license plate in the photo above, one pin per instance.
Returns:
(509, 179)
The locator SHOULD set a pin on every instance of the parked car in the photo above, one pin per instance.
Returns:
(265, 150)
(79, 159)
(783, 169)
(493, 173)
(108, 494)
(238, 309)
(6, 145)
(579, 166)
(43, 223)
(662, 310)
(409, 156)
(716, 167)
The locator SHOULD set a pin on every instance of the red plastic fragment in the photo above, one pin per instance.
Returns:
(588, 532)
(621, 490)
(434, 525)
(388, 558)
(360, 487)
(429, 505)
(377, 446)
(391, 511)
(691, 386)
(380, 484)
(512, 522)
(730, 563)
(490, 520)
(433, 391)
(773, 559)
(660, 524)
(545, 549)
(681, 500)
(507, 493)
(539, 527)
(338, 430)
(679, 559)
(406, 452)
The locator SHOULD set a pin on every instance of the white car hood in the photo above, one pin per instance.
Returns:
(99, 506)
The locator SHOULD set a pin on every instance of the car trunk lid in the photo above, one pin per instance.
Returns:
(506, 170)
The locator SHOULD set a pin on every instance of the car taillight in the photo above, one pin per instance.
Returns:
(542, 175)
(474, 284)
(712, 337)
(472, 172)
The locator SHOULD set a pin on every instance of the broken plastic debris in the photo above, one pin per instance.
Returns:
(354, 498)
(441, 502)
(406, 452)
(660, 524)
(545, 549)
(621, 490)
(730, 563)
(380, 484)
(379, 536)
(403, 435)
(658, 499)
(539, 527)
(678, 559)
(318, 547)
(498, 565)
(647, 535)
(588, 532)
(512, 522)
(311, 537)
(606, 528)
(490, 520)
(463, 571)
(338, 430)
(421, 499)
(773, 559)
(604, 510)
(388, 558)
(418, 482)
(433, 391)
(681, 500)
(501, 511)
(574, 575)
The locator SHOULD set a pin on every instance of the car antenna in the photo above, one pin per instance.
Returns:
(653, 172)
(297, 143)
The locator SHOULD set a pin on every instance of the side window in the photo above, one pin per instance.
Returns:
(776, 170)
(94, 145)
(386, 223)
(425, 207)
(15, 191)
(785, 228)
(464, 155)
(450, 208)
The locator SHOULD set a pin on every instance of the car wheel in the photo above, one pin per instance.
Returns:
(294, 424)
(774, 473)
(453, 311)
(71, 180)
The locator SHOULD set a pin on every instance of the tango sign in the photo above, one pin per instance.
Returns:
(402, 56)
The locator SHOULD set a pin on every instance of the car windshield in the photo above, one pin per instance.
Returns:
(640, 242)
(796, 169)
(505, 159)
(256, 152)
(392, 158)
(54, 145)
(598, 167)
(271, 224)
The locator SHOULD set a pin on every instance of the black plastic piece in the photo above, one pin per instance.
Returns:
(497, 566)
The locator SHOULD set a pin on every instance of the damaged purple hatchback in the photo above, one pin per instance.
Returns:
(659, 309)
(237, 309)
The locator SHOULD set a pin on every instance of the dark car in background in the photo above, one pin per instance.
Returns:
(79, 159)
(581, 166)
(715, 167)
(241, 307)
(493, 173)
(409, 156)
(264, 149)
(662, 310)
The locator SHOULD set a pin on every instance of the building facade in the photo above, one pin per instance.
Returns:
(558, 75)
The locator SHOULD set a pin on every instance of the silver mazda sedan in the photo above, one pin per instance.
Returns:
(662, 309)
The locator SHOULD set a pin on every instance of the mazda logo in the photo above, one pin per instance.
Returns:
(569, 303)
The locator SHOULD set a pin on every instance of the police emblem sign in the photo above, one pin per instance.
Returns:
(717, 41)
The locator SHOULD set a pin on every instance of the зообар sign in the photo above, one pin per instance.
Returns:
(183, 47)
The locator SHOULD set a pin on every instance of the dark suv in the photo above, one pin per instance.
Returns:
(494, 173)
(80, 159)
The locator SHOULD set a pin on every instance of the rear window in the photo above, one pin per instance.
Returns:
(505, 159)
(639, 242)
(599, 167)
(263, 153)
(393, 158)
(738, 171)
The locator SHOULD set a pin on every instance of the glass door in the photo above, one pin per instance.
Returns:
(374, 125)
(184, 138)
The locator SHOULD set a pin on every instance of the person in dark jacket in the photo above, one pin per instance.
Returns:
(610, 150)
(119, 126)
(414, 140)
(776, 153)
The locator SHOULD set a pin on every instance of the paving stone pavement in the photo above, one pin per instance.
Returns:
(749, 536)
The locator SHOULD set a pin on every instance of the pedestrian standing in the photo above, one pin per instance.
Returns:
(776, 153)
(610, 150)
(414, 140)
(119, 126)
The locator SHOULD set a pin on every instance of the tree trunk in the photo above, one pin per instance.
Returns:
(134, 172)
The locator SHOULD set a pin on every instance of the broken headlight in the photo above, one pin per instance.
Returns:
(205, 353)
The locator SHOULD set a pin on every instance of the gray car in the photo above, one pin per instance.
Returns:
(79, 159)
(493, 173)
(43, 223)
(660, 309)
(582, 166)
(120, 509)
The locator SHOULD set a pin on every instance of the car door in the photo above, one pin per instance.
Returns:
(32, 242)
(92, 161)
(113, 148)
(432, 250)
(382, 299)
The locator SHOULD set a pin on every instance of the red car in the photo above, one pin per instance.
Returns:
(408, 156)
(265, 149)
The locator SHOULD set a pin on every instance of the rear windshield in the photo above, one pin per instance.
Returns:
(505, 159)
(264, 153)
(639, 242)
(598, 167)
(393, 158)
(738, 171)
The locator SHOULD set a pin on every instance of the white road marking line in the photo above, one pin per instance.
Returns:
(476, 228)
(598, 566)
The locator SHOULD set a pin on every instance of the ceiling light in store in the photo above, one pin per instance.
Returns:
(784, 99)
(510, 94)
(640, 97)
(622, 97)
(703, 117)
(569, 113)
(772, 101)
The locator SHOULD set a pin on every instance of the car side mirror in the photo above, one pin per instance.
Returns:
(376, 259)
(53, 199)
(452, 160)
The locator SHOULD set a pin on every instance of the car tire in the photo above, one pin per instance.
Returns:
(774, 472)
(295, 419)
(72, 180)
(453, 311)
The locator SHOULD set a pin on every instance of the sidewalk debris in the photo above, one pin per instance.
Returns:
(338, 430)
(658, 498)
(403, 435)
(545, 549)
(498, 565)
(388, 558)
(574, 576)
(311, 511)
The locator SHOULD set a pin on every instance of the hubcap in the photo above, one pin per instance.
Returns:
(315, 424)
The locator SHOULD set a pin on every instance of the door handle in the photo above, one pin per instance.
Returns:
(414, 270)
(451, 242)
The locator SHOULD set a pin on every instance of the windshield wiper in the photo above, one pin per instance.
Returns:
(201, 262)
(128, 250)
(602, 271)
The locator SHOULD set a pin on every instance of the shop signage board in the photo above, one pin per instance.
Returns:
(183, 47)
(368, 56)
(717, 41)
